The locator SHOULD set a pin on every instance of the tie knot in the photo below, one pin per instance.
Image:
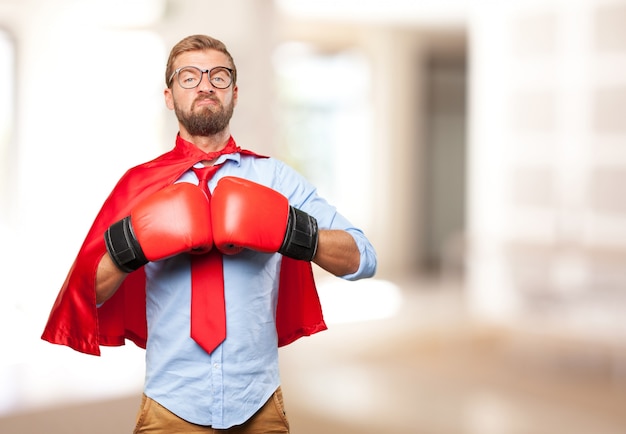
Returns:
(205, 173)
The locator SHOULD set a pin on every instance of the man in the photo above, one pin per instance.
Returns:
(163, 242)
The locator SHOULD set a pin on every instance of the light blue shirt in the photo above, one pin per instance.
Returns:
(225, 388)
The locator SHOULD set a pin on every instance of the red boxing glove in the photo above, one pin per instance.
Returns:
(250, 215)
(174, 220)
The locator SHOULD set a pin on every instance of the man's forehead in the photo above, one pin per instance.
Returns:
(208, 58)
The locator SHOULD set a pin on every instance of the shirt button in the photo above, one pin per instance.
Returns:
(216, 366)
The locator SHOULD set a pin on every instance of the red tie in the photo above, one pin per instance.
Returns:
(208, 308)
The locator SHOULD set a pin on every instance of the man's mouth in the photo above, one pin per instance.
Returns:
(200, 102)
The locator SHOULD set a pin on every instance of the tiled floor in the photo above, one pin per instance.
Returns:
(425, 370)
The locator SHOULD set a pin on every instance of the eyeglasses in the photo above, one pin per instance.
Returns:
(190, 76)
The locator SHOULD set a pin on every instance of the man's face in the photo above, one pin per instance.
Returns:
(203, 110)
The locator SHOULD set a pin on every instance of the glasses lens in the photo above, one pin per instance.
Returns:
(220, 77)
(189, 77)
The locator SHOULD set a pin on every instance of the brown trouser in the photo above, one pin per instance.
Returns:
(153, 418)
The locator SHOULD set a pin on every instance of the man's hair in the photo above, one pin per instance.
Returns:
(197, 43)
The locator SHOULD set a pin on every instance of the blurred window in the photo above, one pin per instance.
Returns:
(7, 118)
(324, 120)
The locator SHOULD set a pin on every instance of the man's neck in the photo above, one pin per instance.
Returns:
(208, 144)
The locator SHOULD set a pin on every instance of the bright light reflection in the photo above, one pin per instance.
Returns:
(364, 300)
(397, 11)
(119, 13)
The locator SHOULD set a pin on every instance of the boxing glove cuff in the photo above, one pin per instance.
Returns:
(301, 236)
(123, 246)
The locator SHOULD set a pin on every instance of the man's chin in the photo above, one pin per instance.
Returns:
(205, 130)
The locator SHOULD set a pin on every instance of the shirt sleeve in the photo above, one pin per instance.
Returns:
(303, 195)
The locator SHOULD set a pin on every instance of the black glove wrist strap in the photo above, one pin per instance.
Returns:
(123, 246)
(301, 236)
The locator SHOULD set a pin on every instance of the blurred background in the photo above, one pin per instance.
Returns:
(481, 146)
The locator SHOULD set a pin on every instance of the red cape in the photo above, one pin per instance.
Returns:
(75, 320)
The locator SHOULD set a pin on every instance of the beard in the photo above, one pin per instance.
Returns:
(205, 122)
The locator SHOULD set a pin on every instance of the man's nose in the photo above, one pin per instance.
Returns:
(206, 85)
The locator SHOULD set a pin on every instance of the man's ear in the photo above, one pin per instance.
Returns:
(235, 95)
(169, 98)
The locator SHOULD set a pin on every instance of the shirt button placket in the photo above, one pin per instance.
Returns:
(217, 377)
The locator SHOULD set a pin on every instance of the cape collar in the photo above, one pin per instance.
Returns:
(189, 152)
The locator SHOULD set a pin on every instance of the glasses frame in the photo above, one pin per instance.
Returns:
(202, 72)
